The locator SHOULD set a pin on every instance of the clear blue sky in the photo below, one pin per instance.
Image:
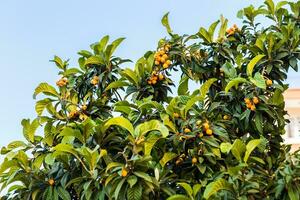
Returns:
(33, 31)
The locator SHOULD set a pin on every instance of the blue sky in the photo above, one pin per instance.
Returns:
(33, 31)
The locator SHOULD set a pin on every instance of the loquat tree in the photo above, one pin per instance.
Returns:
(106, 132)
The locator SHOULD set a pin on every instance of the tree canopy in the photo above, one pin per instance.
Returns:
(108, 132)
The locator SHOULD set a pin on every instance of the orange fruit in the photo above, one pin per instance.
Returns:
(252, 107)
(165, 65)
(154, 81)
(176, 115)
(162, 60)
(161, 77)
(225, 117)
(247, 100)
(206, 125)
(156, 62)
(168, 62)
(269, 82)
(187, 130)
(194, 160)
(162, 52)
(209, 132)
(149, 82)
(165, 56)
(249, 105)
(51, 181)
(124, 172)
(255, 100)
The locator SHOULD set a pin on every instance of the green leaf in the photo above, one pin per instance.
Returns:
(119, 121)
(135, 193)
(222, 31)
(103, 42)
(204, 35)
(258, 80)
(187, 188)
(41, 105)
(196, 189)
(152, 125)
(183, 85)
(46, 89)
(115, 44)
(64, 194)
(178, 197)
(15, 144)
(66, 148)
(205, 87)
(229, 70)
(29, 129)
(59, 62)
(271, 6)
(250, 147)
(225, 147)
(67, 131)
(238, 148)
(212, 28)
(215, 186)
(234, 82)
(149, 144)
(130, 75)
(118, 188)
(71, 71)
(165, 23)
(132, 180)
(252, 64)
(293, 192)
(116, 84)
(143, 175)
(167, 157)
(189, 104)
(259, 122)
(94, 60)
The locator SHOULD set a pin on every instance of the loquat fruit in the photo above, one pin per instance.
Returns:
(165, 65)
(187, 130)
(255, 100)
(124, 172)
(225, 117)
(176, 115)
(269, 82)
(209, 132)
(206, 125)
(51, 181)
(247, 100)
(161, 77)
(194, 160)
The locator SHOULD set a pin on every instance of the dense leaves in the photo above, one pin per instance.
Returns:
(108, 132)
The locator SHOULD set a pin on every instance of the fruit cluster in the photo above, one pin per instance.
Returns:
(162, 62)
(250, 104)
(155, 76)
(95, 80)
(162, 58)
(205, 127)
(62, 82)
(232, 30)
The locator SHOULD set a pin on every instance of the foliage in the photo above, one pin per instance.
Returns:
(106, 132)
